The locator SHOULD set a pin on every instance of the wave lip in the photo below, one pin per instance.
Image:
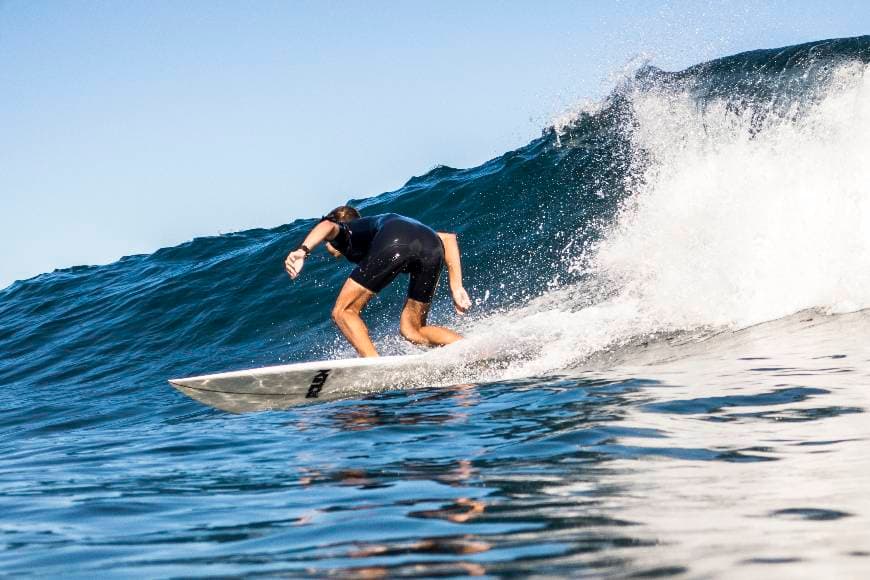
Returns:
(744, 201)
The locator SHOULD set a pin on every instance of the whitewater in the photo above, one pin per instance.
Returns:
(737, 219)
(665, 371)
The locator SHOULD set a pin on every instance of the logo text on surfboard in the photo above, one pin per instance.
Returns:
(317, 384)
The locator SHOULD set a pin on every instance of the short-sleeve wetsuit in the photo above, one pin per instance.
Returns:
(384, 246)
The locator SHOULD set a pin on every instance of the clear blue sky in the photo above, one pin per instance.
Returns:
(129, 126)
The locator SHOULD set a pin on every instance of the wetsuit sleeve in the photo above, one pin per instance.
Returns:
(341, 241)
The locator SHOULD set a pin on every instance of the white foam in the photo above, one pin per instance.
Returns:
(732, 225)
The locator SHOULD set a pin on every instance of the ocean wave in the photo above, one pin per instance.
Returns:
(720, 196)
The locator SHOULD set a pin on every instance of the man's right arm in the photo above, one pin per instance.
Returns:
(325, 230)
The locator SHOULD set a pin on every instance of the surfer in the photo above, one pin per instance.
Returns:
(383, 246)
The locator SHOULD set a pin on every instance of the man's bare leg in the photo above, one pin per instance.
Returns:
(413, 326)
(346, 314)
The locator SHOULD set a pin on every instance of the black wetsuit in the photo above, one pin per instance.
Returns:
(387, 245)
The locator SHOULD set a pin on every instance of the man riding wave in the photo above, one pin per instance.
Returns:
(384, 246)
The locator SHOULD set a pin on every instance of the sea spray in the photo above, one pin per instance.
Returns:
(741, 215)
(740, 221)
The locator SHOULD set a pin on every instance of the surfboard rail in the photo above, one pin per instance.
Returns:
(283, 386)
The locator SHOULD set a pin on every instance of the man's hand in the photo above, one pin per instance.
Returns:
(461, 301)
(294, 262)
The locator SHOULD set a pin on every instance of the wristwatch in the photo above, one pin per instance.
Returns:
(305, 248)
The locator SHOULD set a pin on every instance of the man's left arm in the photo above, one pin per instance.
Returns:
(461, 301)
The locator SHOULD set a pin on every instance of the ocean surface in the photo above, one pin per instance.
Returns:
(672, 285)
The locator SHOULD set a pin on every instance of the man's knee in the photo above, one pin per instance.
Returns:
(411, 332)
(339, 314)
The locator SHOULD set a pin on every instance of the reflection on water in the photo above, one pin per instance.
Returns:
(743, 456)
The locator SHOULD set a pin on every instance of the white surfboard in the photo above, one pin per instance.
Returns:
(280, 387)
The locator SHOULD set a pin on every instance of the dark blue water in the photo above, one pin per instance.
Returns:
(672, 280)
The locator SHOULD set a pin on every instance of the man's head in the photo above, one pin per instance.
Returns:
(341, 214)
